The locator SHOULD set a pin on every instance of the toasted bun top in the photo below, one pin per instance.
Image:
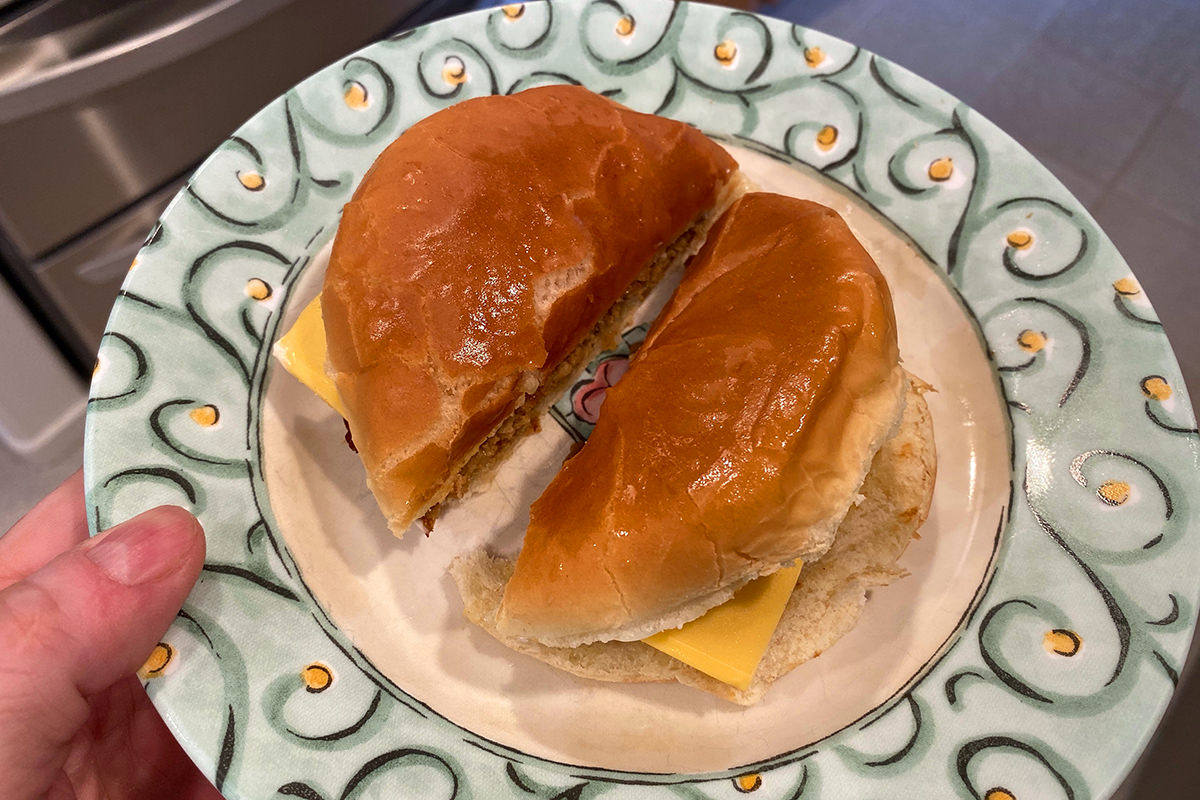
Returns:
(735, 443)
(478, 250)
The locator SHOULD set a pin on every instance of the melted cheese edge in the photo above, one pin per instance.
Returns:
(301, 351)
(729, 641)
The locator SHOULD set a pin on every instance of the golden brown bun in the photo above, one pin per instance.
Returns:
(735, 443)
(480, 248)
(825, 605)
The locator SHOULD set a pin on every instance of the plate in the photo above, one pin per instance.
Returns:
(1053, 590)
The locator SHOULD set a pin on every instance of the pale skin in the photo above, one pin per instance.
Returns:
(78, 617)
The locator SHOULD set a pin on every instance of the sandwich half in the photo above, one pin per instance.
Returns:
(489, 253)
(765, 429)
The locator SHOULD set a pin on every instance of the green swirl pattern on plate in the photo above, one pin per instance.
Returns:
(1098, 532)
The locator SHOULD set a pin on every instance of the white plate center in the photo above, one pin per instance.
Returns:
(395, 600)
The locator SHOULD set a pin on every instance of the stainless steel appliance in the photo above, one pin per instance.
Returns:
(107, 105)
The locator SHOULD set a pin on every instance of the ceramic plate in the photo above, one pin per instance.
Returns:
(1051, 594)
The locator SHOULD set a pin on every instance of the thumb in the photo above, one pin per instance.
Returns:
(81, 623)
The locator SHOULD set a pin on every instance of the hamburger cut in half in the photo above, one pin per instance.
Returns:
(488, 254)
(765, 422)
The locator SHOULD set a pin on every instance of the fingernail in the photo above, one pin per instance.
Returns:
(144, 549)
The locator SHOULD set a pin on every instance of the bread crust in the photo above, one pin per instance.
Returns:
(735, 443)
(826, 604)
(467, 267)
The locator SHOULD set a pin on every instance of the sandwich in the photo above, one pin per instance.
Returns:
(762, 463)
(486, 257)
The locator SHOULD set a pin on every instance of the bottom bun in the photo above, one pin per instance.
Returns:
(825, 605)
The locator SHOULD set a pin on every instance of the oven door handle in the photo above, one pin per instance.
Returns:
(51, 58)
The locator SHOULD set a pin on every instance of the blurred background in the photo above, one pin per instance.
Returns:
(106, 106)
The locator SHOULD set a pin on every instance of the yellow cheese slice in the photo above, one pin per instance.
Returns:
(726, 643)
(729, 641)
(301, 351)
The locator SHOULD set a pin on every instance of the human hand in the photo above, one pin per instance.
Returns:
(78, 616)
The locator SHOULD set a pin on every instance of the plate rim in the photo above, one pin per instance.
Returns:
(258, 387)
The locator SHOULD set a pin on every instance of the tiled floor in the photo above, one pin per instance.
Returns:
(1107, 94)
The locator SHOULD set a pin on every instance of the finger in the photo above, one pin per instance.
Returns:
(139, 754)
(55, 524)
(80, 624)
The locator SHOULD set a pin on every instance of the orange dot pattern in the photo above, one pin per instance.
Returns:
(1114, 493)
(205, 416)
(159, 658)
(750, 782)
(725, 52)
(317, 677)
(827, 137)
(1031, 341)
(252, 180)
(258, 289)
(941, 169)
(1156, 388)
(1127, 286)
(1063, 642)
(355, 96)
(454, 71)
(1021, 240)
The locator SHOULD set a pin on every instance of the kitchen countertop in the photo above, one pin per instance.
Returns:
(1105, 92)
